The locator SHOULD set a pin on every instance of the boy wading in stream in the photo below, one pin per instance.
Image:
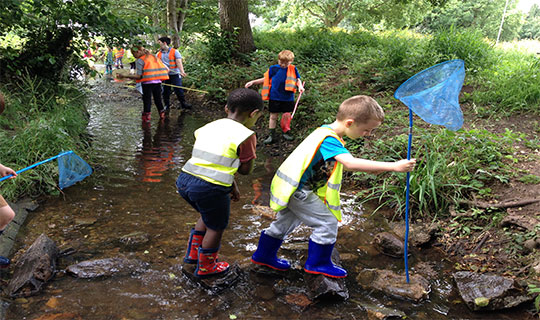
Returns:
(222, 148)
(279, 82)
(305, 188)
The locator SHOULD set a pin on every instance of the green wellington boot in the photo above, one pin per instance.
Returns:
(272, 137)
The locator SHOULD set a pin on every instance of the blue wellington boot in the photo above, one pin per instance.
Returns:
(319, 261)
(266, 253)
(4, 262)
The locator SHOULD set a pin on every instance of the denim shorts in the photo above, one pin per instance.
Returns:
(212, 201)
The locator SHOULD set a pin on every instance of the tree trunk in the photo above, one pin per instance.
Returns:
(233, 16)
(172, 22)
(183, 5)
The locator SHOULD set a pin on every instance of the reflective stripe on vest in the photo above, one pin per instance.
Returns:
(287, 178)
(290, 82)
(153, 69)
(172, 60)
(267, 83)
(214, 157)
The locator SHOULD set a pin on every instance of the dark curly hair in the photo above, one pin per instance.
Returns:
(244, 100)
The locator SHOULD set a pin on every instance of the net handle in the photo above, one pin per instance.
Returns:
(37, 164)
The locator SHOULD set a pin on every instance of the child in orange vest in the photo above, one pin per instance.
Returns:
(280, 82)
(150, 73)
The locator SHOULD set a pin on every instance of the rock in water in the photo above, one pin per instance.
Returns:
(489, 292)
(35, 267)
(106, 267)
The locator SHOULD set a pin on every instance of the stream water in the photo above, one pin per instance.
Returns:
(133, 190)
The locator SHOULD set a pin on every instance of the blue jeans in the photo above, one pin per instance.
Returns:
(212, 201)
(175, 80)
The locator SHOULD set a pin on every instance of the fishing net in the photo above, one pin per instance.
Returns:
(72, 169)
(433, 94)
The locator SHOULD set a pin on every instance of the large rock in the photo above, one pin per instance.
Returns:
(216, 284)
(389, 244)
(34, 268)
(108, 267)
(395, 285)
(489, 292)
(322, 287)
(420, 234)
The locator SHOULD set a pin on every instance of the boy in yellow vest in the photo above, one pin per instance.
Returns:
(222, 148)
(305, 188)
(280, 82)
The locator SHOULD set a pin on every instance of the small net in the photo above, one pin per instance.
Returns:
(72, 169)
(433, 94)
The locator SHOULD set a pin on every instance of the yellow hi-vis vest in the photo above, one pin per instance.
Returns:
(287, 178)
(214, 157)
(290, 82)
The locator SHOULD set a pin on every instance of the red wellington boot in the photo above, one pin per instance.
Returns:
(208, 265)
(195, 241)
(146, 117)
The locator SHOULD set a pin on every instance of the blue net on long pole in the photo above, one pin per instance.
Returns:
(72, 169)
(433, 94)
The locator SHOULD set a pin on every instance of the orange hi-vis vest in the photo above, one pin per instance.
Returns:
(172, 60)
(153, 69)
(290, 82)
(119, 53)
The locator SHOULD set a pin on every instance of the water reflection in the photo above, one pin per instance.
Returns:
(158, 151)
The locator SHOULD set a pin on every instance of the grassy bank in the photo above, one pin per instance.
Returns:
(39, 122)
(337, 65)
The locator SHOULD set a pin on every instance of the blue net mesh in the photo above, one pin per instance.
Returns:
(433, 94)
(72, 169)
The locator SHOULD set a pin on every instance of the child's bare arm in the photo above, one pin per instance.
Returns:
(246, 167)
(252, 82)
(356, 164)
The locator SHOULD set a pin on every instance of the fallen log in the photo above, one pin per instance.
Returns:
(35, 267)
(506, 204)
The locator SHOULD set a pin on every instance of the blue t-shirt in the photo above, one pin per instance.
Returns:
(320, 168)
(166, 61)
(277, 90)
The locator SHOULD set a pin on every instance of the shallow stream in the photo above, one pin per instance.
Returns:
(133, 190)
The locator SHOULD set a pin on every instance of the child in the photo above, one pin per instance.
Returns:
(173, 60)
(305, 188)
(279, 85)
(150, 72)
(6, 213)
(109, 60)
(119, 55)
(221, 148)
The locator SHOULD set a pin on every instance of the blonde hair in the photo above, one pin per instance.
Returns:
(286, 56)
(361, 109)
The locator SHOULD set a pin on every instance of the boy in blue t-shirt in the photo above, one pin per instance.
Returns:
(305, 188)
(279, 85)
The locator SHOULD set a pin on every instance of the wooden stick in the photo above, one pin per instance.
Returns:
(507, 204)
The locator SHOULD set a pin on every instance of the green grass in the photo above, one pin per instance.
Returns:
(40, 122)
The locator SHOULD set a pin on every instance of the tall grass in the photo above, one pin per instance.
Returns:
(337, 65)
(39, 122)
(450, 166)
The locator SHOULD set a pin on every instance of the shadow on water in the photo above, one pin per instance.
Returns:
(133, 190)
